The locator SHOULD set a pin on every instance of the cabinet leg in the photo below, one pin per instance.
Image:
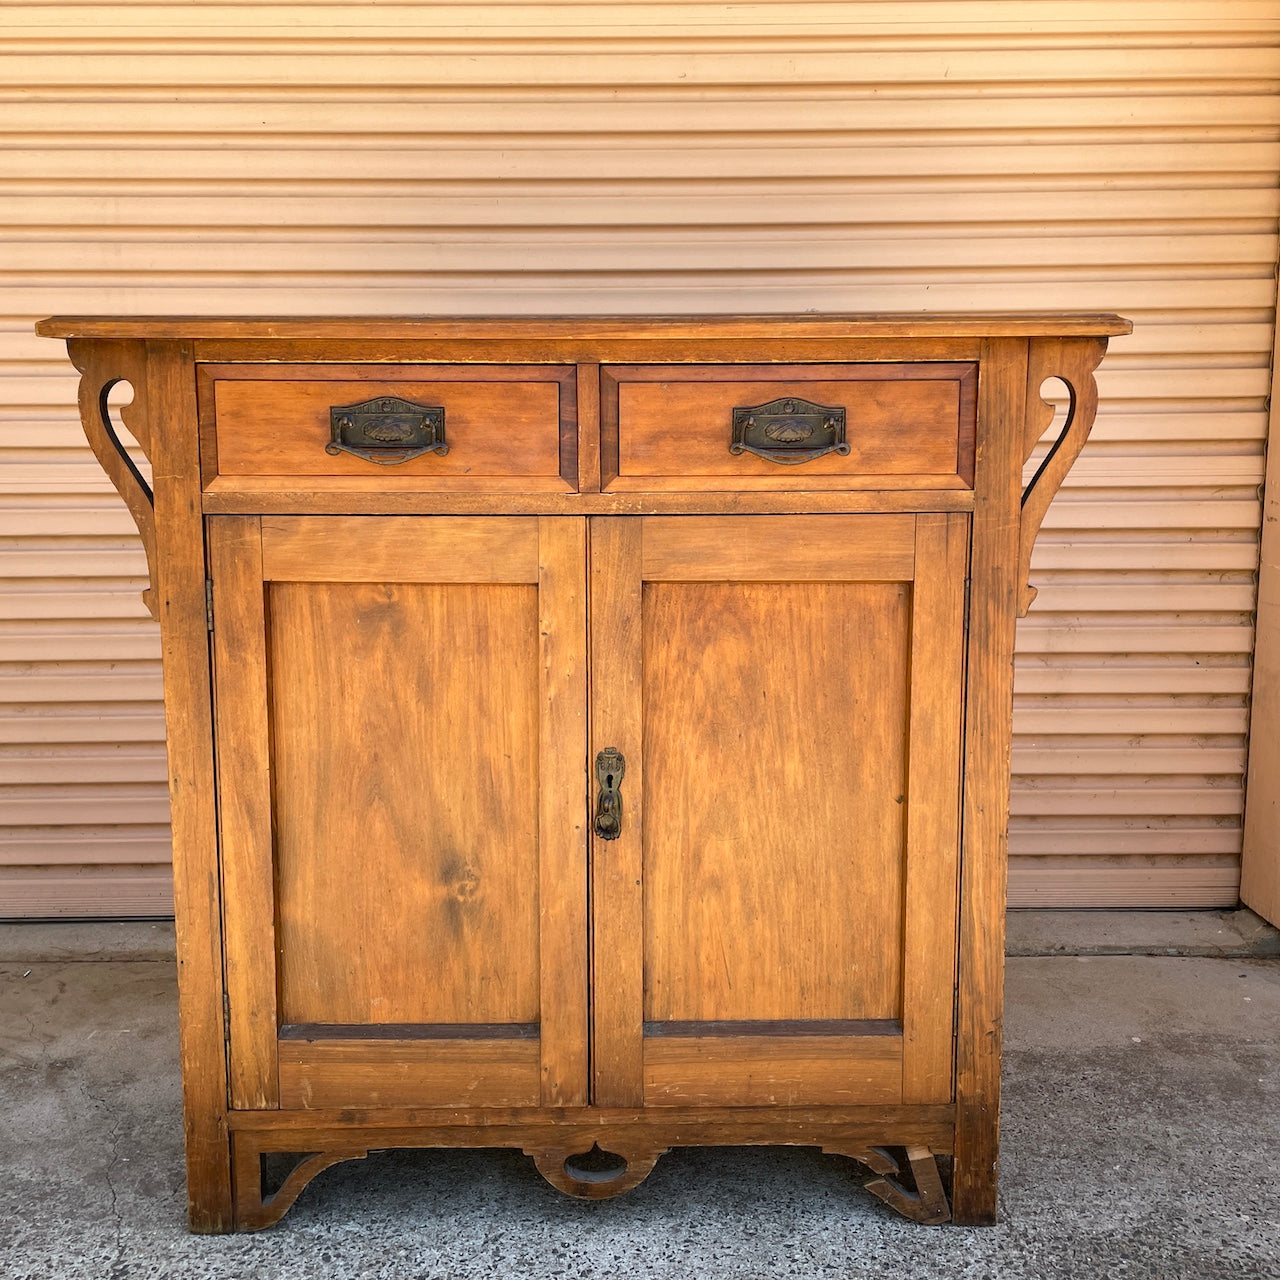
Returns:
(210, 1205)
(973, 1193)
(208, 1214)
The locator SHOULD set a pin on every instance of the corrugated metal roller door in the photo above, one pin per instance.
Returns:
(305, 158)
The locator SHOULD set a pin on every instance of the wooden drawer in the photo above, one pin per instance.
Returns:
(666, 427)
(506, 427)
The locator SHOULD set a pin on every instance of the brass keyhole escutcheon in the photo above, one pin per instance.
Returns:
(610, 766)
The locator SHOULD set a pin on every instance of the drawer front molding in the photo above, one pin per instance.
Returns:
(725, 427)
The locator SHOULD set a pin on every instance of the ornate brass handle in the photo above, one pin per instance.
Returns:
(386, 430)
(610, 766)
(788, 430)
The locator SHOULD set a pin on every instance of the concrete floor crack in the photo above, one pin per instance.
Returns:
(113, 1138)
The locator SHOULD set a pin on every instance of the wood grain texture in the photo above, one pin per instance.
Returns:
(792, 548)
(588, 428)
(657, 347)
(617, 914)
(562, 813)
(184, 638)
(933, 807)
(492, 494)
(792, 483)
(766, 832)
(494, 427)
(397, 1073)
(988, 715)
(468, 1126)
(772, 1071)
(263, 497)
(241, 701)
(673, 423)
(852, 325)
(386, 549)
(406, 749)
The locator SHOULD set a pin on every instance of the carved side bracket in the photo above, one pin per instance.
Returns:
(926, 1203)
(1073, 360)
(103, 363)
(258, 1207)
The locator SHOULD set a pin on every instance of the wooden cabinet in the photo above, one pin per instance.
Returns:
(589, 736)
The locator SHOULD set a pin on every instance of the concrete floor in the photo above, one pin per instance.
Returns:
(1141, 1142)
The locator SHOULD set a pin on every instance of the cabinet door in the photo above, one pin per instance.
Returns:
(400, 715)
(776, 922)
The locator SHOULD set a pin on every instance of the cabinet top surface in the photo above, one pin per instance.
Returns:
(904, 325)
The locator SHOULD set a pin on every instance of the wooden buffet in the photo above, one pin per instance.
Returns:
(588, 735)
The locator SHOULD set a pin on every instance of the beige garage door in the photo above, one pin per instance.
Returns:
(503, 157)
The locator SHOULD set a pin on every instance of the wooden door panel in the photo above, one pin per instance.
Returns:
(406, 773)
(775, 719)
(424, 732)
(790, 841)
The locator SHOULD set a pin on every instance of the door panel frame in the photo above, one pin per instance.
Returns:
(932, 870)
(247, 552)
(931, 552)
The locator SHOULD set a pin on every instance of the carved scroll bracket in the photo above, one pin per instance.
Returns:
(1073, 360)
(102, 364)
(925, 1202)
(257, 1206)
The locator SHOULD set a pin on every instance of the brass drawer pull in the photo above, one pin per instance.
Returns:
(386, 430)
(610, 766)
(788, 430)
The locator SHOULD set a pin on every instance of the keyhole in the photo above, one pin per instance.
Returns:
(595, 1165)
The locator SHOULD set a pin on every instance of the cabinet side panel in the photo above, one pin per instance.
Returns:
(775, 719)
(988, 715)
(406, 751)
(189, 718)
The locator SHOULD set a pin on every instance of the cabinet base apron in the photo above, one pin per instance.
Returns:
(588, 1153)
